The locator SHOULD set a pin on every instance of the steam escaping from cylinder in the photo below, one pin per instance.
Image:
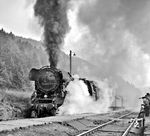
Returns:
(52, 17)
(78, 99)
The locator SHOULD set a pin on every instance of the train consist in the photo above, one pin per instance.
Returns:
(50, 90)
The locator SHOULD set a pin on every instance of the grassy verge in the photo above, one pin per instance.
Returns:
(13, 104)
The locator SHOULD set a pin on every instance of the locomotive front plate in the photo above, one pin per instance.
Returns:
(48, 80)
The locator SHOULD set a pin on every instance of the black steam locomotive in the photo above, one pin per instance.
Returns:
(50, 90)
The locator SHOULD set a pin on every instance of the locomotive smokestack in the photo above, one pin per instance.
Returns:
(53, 17)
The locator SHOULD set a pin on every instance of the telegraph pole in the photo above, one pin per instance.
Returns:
(70, 56)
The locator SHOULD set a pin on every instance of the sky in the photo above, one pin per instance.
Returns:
(18, 16)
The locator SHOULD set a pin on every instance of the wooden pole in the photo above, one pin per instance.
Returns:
(70, 62)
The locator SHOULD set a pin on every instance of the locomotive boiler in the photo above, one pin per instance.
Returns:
(50, 90)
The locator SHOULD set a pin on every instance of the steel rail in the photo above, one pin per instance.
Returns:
(85, 133)
(128, 129)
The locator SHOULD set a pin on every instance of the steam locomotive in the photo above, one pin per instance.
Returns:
(50, 90)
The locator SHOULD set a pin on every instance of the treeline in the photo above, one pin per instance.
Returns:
(17, 57)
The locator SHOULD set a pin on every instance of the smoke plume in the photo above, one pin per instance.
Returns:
(53, 18)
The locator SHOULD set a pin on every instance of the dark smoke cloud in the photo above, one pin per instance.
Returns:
(53, 17)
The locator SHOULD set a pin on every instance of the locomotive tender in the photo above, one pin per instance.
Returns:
(50, 90)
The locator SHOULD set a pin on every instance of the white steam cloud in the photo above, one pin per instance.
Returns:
(113, 36)
(79, 101)
(100, 35)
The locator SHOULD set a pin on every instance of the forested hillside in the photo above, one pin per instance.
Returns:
(17, 56)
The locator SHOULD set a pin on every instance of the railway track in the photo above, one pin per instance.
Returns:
(115, 123)
(116, 127)
(12, 125)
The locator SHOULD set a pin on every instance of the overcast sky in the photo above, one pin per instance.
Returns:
(17, 16)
